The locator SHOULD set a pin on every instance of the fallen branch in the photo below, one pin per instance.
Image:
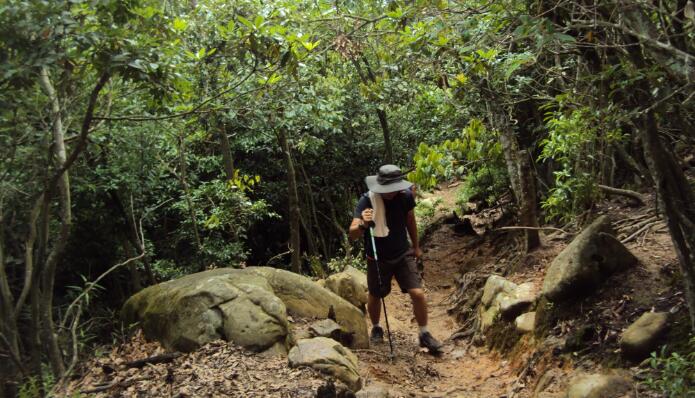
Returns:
(162, 358)
(638, 197)
(534, 228)
(638, 224)
(638, 232)
(99, 388)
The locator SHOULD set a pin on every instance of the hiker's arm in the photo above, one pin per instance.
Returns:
(412, 231)
(359, 225)
(355, 232)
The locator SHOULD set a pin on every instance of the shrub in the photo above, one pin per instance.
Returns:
(674, 373)
(488, 183)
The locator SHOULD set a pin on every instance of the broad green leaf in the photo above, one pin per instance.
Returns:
(180, 25)
(246, 22)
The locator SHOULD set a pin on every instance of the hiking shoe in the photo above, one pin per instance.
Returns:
(428, 341)
(377, 335)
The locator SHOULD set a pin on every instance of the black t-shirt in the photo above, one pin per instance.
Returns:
(396, 243)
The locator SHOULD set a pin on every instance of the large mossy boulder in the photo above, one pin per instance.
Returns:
(328, 356)
(247, 306)
(229, 304)
(586, 262)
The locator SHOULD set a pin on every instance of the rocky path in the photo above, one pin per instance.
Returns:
(462, 370)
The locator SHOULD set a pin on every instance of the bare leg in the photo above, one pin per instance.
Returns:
(419, 305)
(374, 308)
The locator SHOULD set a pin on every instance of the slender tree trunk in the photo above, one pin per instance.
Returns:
(528, 214)
(131, 233)
(312, 207)
(226, 150)
(64, 199)
(35, 351)
(381, 114)
(521, 176)
(189, 201)
(294, 213)
(8, 326)
(136, 282)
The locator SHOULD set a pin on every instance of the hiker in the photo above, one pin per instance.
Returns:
(388, 207)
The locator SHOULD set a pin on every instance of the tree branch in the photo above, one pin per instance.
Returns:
(623, 192)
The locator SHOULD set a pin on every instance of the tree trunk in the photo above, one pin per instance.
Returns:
(510, 149)
(521, 176)
(136, 282)
(226, 150)
(8, 326)
(676, 202)
(294, 213)
(189, 201)
(528, 211)
(381, 114)
(312, 207)
(64, 199)
(675, 197)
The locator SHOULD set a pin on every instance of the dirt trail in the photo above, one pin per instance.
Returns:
(462, 370)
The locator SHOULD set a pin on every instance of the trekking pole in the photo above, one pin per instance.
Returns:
(383, 301)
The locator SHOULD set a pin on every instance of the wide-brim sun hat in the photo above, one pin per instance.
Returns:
(388, 179)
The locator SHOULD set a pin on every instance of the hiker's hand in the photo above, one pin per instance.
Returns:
(418, 253)
(368, 216)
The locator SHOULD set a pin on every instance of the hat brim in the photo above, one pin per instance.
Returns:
(375, 187)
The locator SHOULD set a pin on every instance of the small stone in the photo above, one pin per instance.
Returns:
(376, 390)
(325, 328)
(518, 301)
(642, 336)
(328, 356)
(525, 323)
(494, 285)
(599, 386)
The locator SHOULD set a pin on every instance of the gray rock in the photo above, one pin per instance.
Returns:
(246, 306)
(518, 301)
(328, 356)
(350, 284)
(326, 328)
(525, 323)
(586, 262)
(504, 298)
(494, 285)
(599, 386)
(229, 304)
(641, 338)
(305, 298)
(550, 377)
(376, 390)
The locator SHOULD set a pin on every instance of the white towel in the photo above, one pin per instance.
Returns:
(381, 230)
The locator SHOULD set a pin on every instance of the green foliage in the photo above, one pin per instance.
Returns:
(338, 264)
(572, 142)
(225, 212)
(453, 158)
(675, 373)
(34, 385)
(425, 210)
(487, 183)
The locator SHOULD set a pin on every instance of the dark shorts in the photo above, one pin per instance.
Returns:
(405, 270)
